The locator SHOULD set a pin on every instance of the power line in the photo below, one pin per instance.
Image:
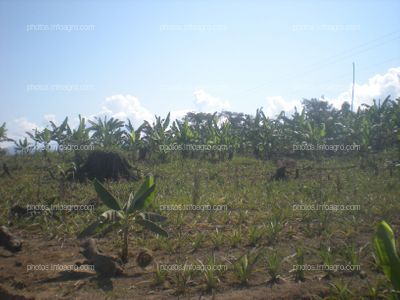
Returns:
(345, 75)
(326, 62)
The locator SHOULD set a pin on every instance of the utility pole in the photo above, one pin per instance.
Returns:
(352, 92)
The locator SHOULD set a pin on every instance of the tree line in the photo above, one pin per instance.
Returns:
(374, 127)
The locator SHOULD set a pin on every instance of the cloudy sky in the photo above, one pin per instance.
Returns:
(134, 59)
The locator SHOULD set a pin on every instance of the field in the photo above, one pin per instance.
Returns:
(244, 235)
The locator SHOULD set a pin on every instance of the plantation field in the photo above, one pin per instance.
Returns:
(244, 235)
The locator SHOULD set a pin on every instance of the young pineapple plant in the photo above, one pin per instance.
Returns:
(328, 260)
(182, 279)
(217, 239)
(341, 291)
(273, 229)
(273, 267)
(131, 213)
(236, 237)
(254, 236)
(210, 274)
(352, 257)
(299, 271)
(197, 241)
(244, 266)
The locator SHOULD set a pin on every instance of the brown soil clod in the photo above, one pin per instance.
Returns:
(104, 265)
(144, 258)
(9, 241)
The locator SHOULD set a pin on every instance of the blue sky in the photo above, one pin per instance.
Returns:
(139, 58)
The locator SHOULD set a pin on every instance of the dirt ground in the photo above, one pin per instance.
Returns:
(17, 282)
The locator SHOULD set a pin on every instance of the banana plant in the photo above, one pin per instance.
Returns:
(270, 135)
(132, 140)
(314, 132)
(41, 137)
(79, 136)
(182, 134)
(59, 133)
(253, 127)
(124, 216)
(159, 134)
(107, 133)
(23, 146)
(3, 134)
(395, 119)
(143, 140)
(387, 255)
(129, 135)
(219, 135)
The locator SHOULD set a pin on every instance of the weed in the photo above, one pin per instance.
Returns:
(160, 275)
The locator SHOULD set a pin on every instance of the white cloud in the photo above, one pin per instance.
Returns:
(20, 126)
(207, 103)
(49, 117)
(275, 104)
(125, 107)
(17, 130)
(377, 87)
(179, 114)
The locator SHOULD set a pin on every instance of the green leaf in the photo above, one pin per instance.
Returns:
(152, 227)
(166, 122)
(128, 206)
(385, 250)
(153, 217)
(322, 131)
(143, 197)
(90, 230)
(105, 196)
(104, 218)
(133, 136)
